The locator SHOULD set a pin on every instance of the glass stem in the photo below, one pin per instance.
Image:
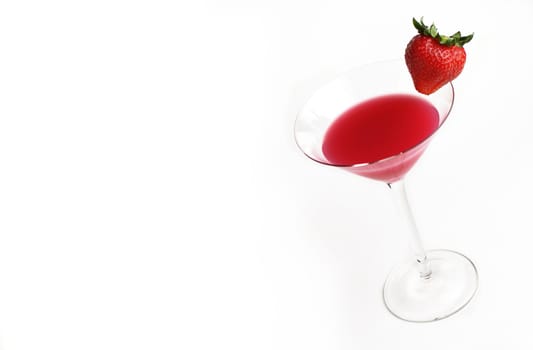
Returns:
(400, 198)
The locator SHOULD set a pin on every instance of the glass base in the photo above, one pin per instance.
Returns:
(451, 285)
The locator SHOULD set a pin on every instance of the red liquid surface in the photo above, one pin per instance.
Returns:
(380, 128)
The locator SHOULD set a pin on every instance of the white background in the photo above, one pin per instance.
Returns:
(152, 196)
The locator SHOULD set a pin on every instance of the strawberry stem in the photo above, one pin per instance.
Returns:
(432, 31)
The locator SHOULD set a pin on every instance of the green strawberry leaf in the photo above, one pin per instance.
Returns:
(465, 39)
(419, 26)
(432, 31)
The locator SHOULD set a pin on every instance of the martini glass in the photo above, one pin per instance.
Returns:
(432, 284)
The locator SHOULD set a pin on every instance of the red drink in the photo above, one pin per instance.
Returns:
(379, 128)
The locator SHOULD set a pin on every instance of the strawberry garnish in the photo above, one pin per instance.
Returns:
(434, 59)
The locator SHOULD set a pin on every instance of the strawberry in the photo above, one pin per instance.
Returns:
(433, 59)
